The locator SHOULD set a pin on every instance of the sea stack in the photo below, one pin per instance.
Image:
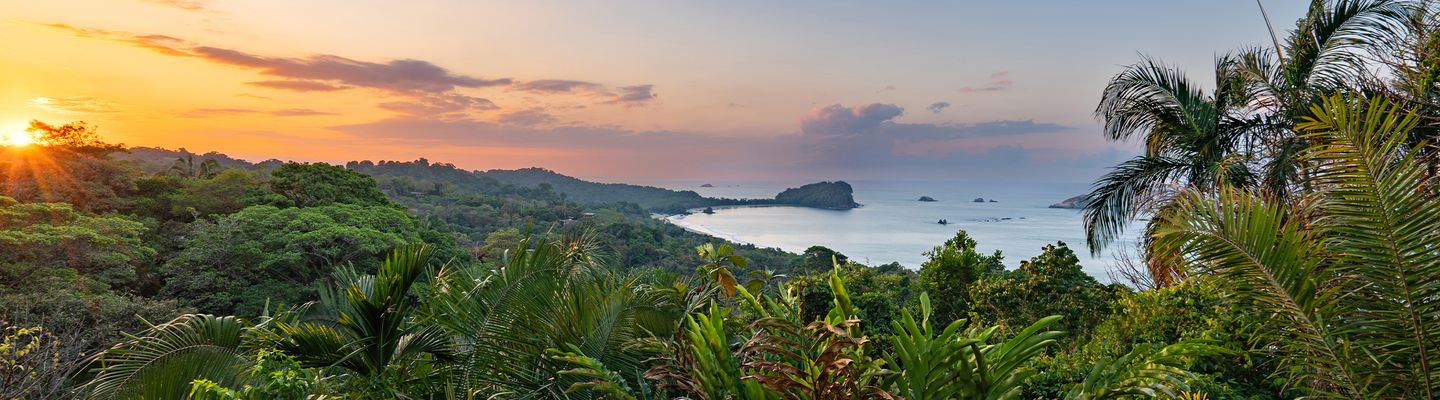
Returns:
(1073, 203)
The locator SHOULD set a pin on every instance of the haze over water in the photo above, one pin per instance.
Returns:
(893, 226)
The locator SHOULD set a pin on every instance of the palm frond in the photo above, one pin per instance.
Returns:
(162, 363)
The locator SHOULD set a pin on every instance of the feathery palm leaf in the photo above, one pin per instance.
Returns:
(162, 363)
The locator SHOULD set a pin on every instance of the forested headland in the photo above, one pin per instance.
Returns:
(1287, 214)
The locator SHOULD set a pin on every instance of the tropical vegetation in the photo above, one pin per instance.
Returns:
(1286, 213)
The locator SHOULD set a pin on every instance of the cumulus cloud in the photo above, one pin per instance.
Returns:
(936, 107)
(835, 119)
(73, 105)
(998, 81)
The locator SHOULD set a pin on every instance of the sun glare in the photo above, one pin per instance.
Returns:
(18, 139)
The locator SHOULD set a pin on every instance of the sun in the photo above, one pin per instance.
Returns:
(18, 139)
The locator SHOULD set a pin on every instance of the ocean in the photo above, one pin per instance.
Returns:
(893, 226)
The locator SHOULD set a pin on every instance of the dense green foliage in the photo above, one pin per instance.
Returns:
(832, 195)
(1294, 208)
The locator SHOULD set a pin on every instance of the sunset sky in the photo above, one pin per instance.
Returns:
(960, 90)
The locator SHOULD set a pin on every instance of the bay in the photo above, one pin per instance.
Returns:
(893, 226)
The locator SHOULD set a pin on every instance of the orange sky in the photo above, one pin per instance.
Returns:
(625, 89)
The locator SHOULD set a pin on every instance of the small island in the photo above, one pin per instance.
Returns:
(927, 199)
(979, 199)
(707, 185)
(994, 201)
(709, 210)
(836, 195)
(943, 222)
(1073, 203)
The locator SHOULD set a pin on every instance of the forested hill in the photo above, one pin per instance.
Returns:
(524, 182)
(594, 193)
(832, 195)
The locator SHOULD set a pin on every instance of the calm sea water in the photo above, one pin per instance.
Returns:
(893, 226)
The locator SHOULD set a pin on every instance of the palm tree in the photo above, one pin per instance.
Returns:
(1328, 52)
(1243, 134)
(1192, 140)
(186, 166)
(365, 330)
(1346, 271)
(546, 297)
(162, 363)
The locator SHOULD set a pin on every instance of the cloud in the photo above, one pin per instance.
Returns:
(299, 86)
(531, 117)
(938, 106)
(432, 89)
(288, 112)
(398, 76)
(440, 105)
(187, 5)
(299, 112)
(558, 86)
(868, 136)
(631, 96)
(998, 81)
(211, 112)
(838, 120)
(73, 105)
(864, 142)
(401, 76)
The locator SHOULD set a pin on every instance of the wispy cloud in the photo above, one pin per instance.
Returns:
(530, 117)
(397, 76)
(187, 5)
(631, 96)
(635, 95)
(73, 105)
(299, 112)
(998, 81)
(211, 112)
(288, 112)
(446, 104)
(551, 86)
(424, 88)
(299, 85)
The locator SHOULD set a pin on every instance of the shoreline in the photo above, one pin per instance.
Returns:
(672, 219)
(698, 210)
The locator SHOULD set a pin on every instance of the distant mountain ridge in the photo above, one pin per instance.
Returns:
(836, 195)
(829, 195)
